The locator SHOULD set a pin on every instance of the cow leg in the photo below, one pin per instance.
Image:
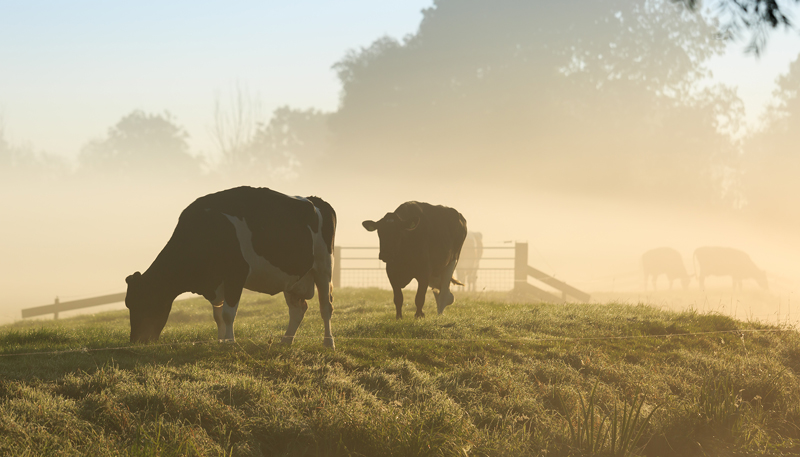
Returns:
(216, 305)
(398, 301)
(419, 299)
(229, 309)
(445, 297)
(228, 316)
(297, 309)
(232, 288)
(324, 288)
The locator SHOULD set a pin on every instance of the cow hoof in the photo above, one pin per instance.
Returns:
(226, 340)
(328, 343)
(419, 315)
(288, 340)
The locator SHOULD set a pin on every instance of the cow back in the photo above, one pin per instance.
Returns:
(281, 225)
(663, 260)
(717, 260)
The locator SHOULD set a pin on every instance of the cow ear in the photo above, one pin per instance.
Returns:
(371, 226)
(133, 278)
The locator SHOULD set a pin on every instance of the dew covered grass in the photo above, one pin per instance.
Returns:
(494, 376)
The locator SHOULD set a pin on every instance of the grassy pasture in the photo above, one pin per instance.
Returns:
(493, 376)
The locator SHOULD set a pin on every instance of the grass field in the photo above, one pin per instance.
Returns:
(493, 376)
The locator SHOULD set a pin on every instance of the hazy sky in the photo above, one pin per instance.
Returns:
(70, 70)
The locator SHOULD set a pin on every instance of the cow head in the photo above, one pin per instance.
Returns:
(392, 229)
(148, 312)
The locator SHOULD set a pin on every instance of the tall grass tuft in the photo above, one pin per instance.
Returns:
(627, 430)
(593, 431)
(721, 405)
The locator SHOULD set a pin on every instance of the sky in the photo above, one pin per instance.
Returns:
(71, 70)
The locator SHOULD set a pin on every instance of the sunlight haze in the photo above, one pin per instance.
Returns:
(589, 130)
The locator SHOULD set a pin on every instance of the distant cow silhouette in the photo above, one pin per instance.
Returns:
(721, 261)
(471, 253)
(664, 261)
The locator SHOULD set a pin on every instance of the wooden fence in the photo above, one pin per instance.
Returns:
(363, 269)
(358, 266)
(522, 271)
(59, 307)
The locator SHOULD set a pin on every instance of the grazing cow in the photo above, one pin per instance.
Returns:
(666, 261)
(719, 261)
(471, 253)
(423, 242)
(253, 238)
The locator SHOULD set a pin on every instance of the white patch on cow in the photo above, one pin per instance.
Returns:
(263, 276)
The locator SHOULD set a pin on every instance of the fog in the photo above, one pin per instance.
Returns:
(593, 134)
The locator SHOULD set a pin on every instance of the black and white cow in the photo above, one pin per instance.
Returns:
(423, 242)
(722, 261)
(242, 238)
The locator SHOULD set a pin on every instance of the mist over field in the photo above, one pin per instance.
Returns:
(594, 131)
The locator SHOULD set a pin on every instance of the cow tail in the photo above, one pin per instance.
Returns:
(461, 245)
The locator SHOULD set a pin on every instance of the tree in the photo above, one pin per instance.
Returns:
(771, 155)
(141, 144)
(582, 95)
(21, 162)
(235, 124)
(756, 17)
(292, 141)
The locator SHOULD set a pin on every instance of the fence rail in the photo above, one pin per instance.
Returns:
(59, 307)
(496, 276)
(502, 273)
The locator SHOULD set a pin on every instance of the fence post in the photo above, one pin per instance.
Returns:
(520, 265)
(55, 314)
(336, 275)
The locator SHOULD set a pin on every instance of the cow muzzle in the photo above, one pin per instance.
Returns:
(145, 335)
